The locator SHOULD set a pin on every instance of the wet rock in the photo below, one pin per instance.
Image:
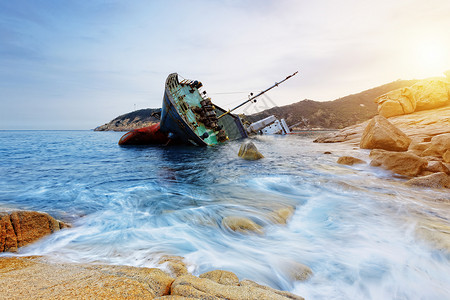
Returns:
(349, 160)
(241, 224)
(222, 277)
(436, 233)
(430, 93)
(396, 102)
(281, 215)
(249, 151)
(435, 180)
(438, 146)
(381, 134)
(20, 228)
(174, 264)
(296, 271)
(203, 288)
(436, 167)
(35, 278)
(402, 163)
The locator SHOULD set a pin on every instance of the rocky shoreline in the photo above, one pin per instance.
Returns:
(43, 277)
(414, 146)
(37, 277)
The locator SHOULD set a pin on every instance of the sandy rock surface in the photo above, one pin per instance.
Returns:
(33, 278)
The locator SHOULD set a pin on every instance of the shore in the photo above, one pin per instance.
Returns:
(38, 277)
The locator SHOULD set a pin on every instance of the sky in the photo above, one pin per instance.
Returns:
(78, 64)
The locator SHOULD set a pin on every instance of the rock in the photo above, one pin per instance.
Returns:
(35, 278)
(438, 146)
(446, 156)
(241, 224)
(418, 147)
(174, 264)
(296, 271)
(436, 167)
(396, 102)
(222, 277)
(249, 151)
(425, 173)
(21, 228)
(402, 163)
(418, 125)
(351, 134)
(8, 238)
(327, 152)
(430, 93)
(435, 180)
(349, 160)
(251, 283)
(281, 215)
(381, 134)
(203, 288)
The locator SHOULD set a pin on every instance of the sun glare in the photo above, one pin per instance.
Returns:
(431, 58)
(431, 54)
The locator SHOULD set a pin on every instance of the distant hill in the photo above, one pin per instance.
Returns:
(136, 119)
(304, 114)
(335, 114)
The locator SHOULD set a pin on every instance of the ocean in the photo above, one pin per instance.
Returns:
(364, 234)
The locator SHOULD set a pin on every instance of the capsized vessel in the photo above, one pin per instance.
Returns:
(189, 116)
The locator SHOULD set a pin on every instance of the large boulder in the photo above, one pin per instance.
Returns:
(20, 228)
(438, 146)
(381, 134)
(402, 163)
(249, 151)
(430, 93)
(396, 102)
(202, 288)
(436, 180)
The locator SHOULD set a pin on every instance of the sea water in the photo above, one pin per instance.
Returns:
(357, 227)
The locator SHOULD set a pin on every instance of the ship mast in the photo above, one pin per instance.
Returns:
(256, 96)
